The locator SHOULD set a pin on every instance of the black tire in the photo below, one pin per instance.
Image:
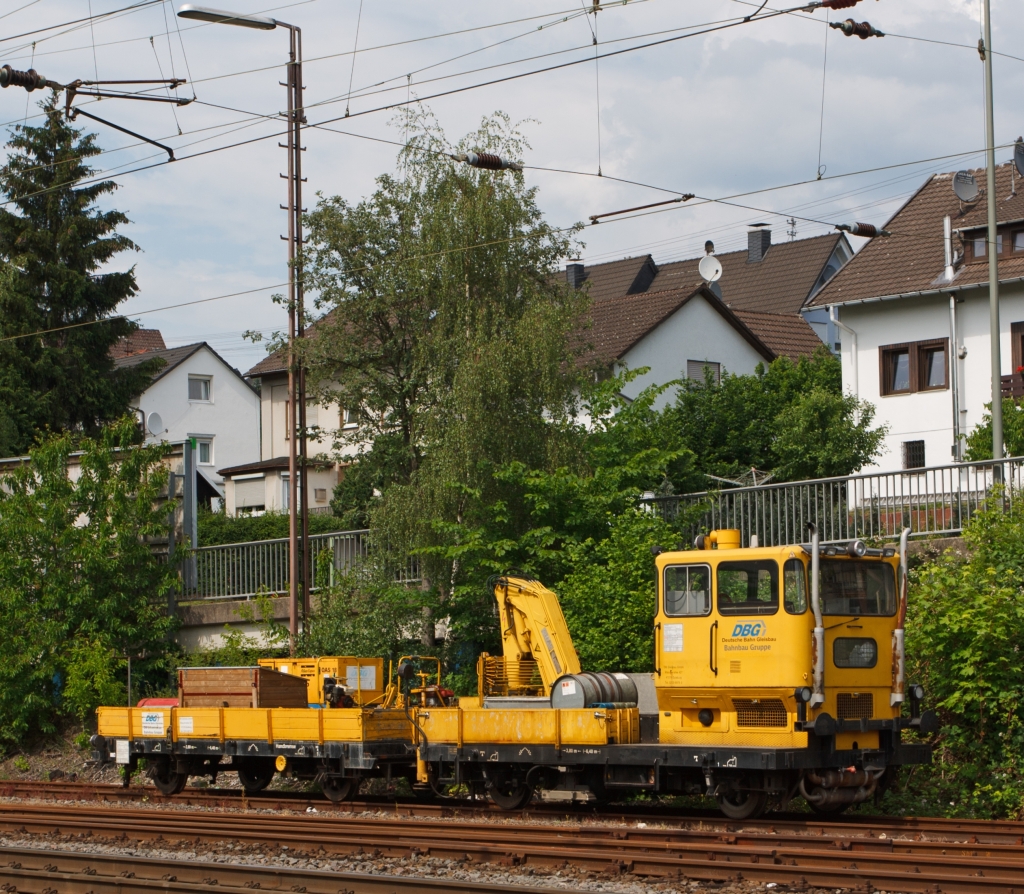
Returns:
(743, 804)
(339, 788)
(507, 791)
(168, 782)
(255, 774)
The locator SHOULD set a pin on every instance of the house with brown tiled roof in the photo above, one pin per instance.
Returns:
(913, 309)
(195, 394)
(666, 318)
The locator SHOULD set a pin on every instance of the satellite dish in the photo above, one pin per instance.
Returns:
(1018, 156)
(155, 424)
(965, 186)
(710, 268)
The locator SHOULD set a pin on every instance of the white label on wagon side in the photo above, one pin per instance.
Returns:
(121, 751)
(153, 723)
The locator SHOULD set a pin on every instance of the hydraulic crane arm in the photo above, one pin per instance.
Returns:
(533, 627)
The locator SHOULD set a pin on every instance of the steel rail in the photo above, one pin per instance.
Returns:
(957, 831)
(903, 865)
(74, 872)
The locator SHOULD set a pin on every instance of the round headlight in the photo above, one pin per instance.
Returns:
(803, 694)
(706, 716)
(917, 691)
(857, 549)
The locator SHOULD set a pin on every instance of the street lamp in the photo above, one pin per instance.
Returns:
(298, 516)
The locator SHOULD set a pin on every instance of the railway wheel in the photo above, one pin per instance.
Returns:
(339, 788)
(168, 782)
(743, 804)
(255, 774)
(507, 791)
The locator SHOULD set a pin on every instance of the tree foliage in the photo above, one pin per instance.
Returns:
(966, 611)
(55, 246)
(979, 441)
(79, 584)
(789, 418)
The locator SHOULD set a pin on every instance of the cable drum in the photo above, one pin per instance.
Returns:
(594, 690)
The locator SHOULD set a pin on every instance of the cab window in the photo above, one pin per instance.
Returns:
(748, 588)
(850, 587)
(687, 590)
(794, 587)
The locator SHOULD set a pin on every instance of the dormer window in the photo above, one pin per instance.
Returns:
(979, 245)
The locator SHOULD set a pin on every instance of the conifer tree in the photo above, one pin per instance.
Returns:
(57, 301)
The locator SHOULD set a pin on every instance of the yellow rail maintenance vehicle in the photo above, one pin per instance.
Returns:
(779, 672)
(332, 720)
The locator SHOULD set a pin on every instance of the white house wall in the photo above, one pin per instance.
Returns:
(231, 417)
(926, 416)
(694, 332)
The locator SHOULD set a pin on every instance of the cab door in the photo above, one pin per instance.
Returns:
(685, 627)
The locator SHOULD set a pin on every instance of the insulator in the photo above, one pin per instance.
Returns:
(30, 80)
(868, 231)
(490, 162)
(863, 30)
(839, 4)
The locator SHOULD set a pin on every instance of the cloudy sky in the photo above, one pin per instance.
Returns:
(758, 109)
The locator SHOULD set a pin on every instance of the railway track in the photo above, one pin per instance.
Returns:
(888, 855)
(957, 830)
(35, 871)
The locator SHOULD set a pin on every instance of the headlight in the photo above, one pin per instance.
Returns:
(851, 651)
(857, 549)
(917, 692)
(803, 694)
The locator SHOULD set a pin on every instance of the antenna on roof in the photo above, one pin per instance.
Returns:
(965, 186)
(791, 232)
(1018, 165)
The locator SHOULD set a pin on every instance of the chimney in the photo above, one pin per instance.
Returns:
(574, 275)
(759, 240)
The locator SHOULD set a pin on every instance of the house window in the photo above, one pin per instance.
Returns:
(933, 367)
(1018, 241)
(698, 370)
(349, 418)
(979, 245)
(897, 371)
(320, 494)
(913, 454)
(914, 366)
(199, 388)
(204, 449)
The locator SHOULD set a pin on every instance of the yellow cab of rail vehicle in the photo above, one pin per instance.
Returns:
(296, 717)
(778, 673)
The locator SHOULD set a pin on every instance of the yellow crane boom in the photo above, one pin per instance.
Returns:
(533, 627)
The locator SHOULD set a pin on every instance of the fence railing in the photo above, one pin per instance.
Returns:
(244, 570)
(938, 500)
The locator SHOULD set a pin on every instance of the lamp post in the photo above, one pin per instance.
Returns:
(298, 517)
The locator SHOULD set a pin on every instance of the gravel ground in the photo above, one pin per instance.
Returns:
(565, 878)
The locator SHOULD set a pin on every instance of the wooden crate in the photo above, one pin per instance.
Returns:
(239, 687)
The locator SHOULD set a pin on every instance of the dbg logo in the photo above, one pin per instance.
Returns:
(756, 629)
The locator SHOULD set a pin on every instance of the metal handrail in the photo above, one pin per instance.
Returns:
(935, 500)
(245, 570)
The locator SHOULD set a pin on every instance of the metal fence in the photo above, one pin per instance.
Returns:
(244, 570)
(938, 500)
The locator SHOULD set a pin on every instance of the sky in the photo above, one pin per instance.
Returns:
(752, 110)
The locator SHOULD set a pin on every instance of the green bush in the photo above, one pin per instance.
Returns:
(963, 645)
(79, 582)
(215, 528)
(609, 598)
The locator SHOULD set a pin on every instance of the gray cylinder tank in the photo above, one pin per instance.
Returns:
(591, 690)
